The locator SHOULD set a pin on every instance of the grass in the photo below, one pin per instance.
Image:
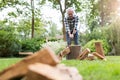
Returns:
(90, 70)
(97, 69)
(6, 62)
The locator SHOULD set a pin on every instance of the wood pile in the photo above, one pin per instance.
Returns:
(91, 56)
(74, 52)
(42, 65)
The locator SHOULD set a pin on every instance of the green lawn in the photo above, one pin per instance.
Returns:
(98, 70)
(5, 62)
(90, 70)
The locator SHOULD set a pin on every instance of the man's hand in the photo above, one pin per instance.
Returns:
(71, 36)
(74, 31)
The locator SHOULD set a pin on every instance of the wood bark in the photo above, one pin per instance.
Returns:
(74, 52)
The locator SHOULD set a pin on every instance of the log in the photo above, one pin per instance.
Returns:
(26, 53)
(74, 52)
(98, 55)
(90, 57)
(45, 55)
(63, 53)
(99, 48)
(84, 54)
(36, 72)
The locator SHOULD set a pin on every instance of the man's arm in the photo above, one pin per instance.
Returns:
(75, 25)
(67, 25)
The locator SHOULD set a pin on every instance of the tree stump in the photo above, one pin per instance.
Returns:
(74, 52)
(99, 48)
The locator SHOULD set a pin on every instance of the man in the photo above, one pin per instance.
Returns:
(71, 24)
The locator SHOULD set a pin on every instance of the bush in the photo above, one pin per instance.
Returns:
(56, 46)
(97, 33)
(91, 46)
(113, 34)
(32, 45)
(9, 45)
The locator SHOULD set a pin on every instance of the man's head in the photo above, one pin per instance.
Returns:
(70, 13)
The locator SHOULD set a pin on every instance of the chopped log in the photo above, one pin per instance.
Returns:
(74, 52)
(26, 53)
(98, 55)
(99, 48)
(84, 54)
(63, 53)
(45, 55)
(36, 72)
(90, 57)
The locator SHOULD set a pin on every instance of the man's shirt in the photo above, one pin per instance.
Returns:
(71, 24)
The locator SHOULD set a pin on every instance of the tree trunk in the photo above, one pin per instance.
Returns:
(32, 26)
(102, 13)
(63, 16)
(63, 29)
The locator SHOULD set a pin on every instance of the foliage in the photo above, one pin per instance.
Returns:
(24, 28)
(56, 46)
(97, 33)
(32, 45)
(9, 45)
(101, 13)
(113, 35)
(91, 46)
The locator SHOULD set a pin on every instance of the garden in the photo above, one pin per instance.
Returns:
(27, 27)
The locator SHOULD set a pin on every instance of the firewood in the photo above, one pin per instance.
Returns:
(36, 72)
(45, 55)
(26, 53)
(90, 57)
(63, 53)
(99, 48)
(84, 54)
(99, 56)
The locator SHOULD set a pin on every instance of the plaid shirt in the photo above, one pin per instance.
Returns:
(71, 24)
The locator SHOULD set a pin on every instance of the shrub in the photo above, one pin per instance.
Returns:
(56, 46)
(91, 45)
(32, 44)
(113, 34)
(9, 45)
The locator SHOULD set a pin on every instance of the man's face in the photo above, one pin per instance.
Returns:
(70, 14)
